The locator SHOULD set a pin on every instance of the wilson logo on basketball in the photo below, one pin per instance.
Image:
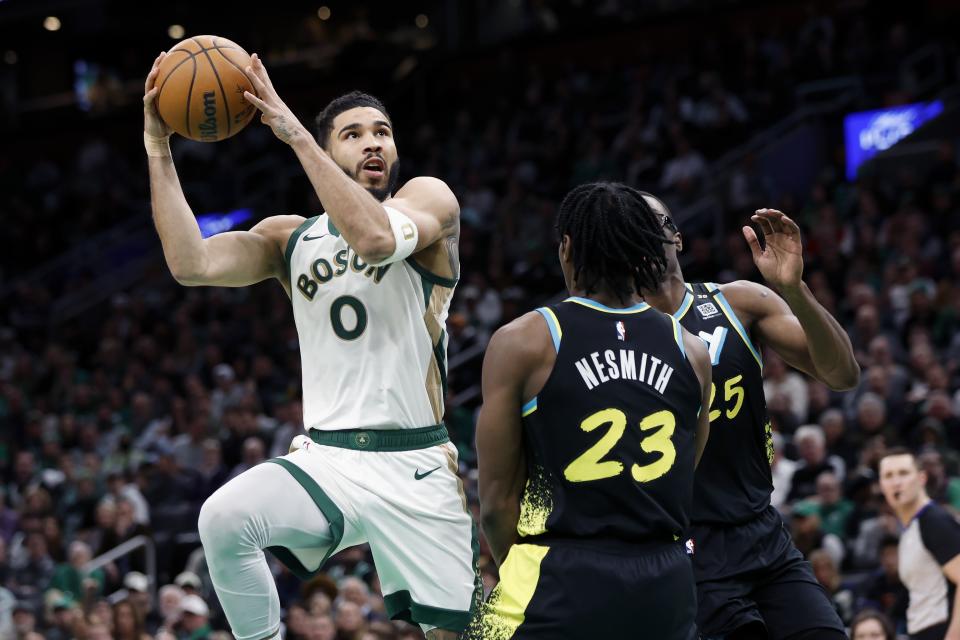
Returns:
(208, 128)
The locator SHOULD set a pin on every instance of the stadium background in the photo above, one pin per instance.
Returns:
(125, 399)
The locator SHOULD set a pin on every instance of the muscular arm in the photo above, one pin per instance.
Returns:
(513, 357)
(700, 360)
(232, 259)
(428, 202)
(799, 329)
(796, 326)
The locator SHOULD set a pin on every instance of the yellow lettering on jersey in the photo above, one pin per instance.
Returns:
(590, 466)
(658, 442)
(587, 466)
(732, 392)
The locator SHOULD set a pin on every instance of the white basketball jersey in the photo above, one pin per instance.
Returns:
(373, 344)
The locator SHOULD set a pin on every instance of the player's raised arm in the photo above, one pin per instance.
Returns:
(700, 360)
(515, 351)
(231, 259)
(381, 230)
(796, 326)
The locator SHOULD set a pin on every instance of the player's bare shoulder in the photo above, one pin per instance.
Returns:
(522, 349)
(750, 300)
(278, 231)
(432, 194)
(278, 228)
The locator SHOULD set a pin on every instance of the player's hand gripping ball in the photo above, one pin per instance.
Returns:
(200, 86)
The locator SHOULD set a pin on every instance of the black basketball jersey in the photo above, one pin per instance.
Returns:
(733, 480)
(610, 438)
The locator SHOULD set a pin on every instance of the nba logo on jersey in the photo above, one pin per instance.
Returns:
(621, 331)
(707, 310)
(690, 547)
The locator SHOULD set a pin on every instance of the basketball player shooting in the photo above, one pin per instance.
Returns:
(370, 280)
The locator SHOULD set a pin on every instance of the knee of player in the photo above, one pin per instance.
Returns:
(221, 521)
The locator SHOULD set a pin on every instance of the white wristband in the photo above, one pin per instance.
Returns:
(156, 147)
(404, 232)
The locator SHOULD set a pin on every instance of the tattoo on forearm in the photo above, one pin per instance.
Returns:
(283, 129)
(453, 254)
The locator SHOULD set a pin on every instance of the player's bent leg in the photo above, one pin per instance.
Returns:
(238, 522)
(792, 602)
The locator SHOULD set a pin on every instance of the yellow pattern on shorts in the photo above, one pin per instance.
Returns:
(504, 610)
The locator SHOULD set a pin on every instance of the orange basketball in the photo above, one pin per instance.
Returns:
(201, 84)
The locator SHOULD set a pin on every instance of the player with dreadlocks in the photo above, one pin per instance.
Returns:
(588, 438)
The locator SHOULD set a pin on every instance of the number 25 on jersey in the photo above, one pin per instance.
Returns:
(732, 389)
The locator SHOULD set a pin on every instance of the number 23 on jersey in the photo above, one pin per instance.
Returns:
(590, 465)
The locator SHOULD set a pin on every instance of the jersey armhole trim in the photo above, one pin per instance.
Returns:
(529, 407)
(678, 336)
(738, 327)
(430, 276)
(553, 324)
(292, 241)
(684, 306)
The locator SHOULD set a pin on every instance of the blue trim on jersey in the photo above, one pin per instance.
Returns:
(553, 324)
(593, 304)
(684, 306)
(529, 408)
(678, 336)
(735, 321)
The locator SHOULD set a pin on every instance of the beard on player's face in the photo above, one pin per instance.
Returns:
(385, 187)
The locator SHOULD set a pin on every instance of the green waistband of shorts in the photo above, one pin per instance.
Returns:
(382, 439)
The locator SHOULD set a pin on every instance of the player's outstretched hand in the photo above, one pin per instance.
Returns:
(152, 124)
(273, 111)
(781, 261)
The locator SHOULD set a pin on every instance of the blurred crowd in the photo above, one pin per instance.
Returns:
(118, 425)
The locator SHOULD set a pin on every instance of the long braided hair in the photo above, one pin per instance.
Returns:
(617, 239)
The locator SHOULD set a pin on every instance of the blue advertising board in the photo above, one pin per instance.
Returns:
(868, 132)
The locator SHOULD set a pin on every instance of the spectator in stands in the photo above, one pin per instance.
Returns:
(137, 588)
(8, 518)
(782, 471)
(72, 580)
(168, 610)
(253, 454)
(296, 622)
(871, 625)
(883, 590)
(24, 619)
(811, 445)
(837, 439)
(322, 628)
(828, 575)
(213, 473)
(829, 504)
(30, 578)
(66, 617)
(778, 381)
(128, 622)
(194, 618)
(942, 488)
(349, 618)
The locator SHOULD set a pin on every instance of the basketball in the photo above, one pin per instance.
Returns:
(201, 84)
